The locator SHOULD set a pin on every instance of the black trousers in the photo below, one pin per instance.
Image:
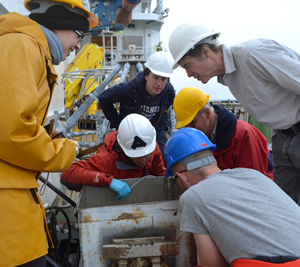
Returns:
(39, 262)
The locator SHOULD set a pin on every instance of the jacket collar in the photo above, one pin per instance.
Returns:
(17, 23)
(225, 128)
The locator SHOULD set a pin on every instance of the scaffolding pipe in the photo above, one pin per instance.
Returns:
(139, 66)
(71, 122)
(69, 135)
(124, 73)
(87, 144)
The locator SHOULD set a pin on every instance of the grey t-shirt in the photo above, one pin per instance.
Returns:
(245, 213)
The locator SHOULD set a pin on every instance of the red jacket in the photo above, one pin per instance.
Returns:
(240, 144)
(106, 164)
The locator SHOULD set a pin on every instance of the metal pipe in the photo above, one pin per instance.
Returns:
(56, 190)
(124, 73)
(71, 122)
(69, 135)
(139, 66)
(99, 132)
(87, 144)
(51, 261)
(112, 50)
(104, 46)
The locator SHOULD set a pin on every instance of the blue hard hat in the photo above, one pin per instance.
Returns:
(183, 143)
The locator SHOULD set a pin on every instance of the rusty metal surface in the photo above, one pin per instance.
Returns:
(151, 210)
(99, 226)
(139, 247)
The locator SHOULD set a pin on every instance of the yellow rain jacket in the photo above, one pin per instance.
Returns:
(26, 75)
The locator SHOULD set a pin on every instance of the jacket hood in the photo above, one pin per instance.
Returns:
(226, 127)
(110, 140)
(17, 23)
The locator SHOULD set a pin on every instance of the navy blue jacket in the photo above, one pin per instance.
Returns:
(134, 98)
(225, 128)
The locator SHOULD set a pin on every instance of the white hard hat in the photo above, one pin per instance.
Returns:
(160, 63)
(186, 36)
(136, 136)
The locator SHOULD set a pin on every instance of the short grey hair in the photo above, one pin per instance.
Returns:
(207, 105)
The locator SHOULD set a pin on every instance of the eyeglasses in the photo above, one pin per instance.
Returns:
(194, 121)
(79, 34)
(176, 176)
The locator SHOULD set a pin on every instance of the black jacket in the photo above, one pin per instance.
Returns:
(134, 98)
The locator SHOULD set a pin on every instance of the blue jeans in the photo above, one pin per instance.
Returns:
(286, 159)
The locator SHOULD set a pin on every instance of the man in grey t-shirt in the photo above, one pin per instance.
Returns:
(235, 213)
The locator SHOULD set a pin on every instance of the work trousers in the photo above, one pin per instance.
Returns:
(40, 262)
(286, 160)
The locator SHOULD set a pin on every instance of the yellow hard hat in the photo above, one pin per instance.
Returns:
(81, 4)
(187, 103)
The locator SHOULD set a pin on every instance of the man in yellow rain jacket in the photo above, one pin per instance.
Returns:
(29, 48)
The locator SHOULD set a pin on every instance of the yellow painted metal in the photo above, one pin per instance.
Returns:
(90, 57)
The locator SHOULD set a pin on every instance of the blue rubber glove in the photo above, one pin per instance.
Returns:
(120, 187)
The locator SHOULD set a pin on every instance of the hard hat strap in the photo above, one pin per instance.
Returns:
(200, 163)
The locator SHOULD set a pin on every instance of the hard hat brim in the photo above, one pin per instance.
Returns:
(159, 73)
(140, 152)
(93, 20)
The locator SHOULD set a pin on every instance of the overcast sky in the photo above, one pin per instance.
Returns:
(14, 5)
(237, 20)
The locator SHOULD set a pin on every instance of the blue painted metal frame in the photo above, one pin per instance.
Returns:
(106, 11)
